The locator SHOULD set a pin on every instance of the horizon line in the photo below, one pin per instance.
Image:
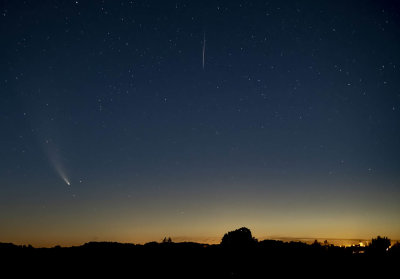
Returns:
(182, 239)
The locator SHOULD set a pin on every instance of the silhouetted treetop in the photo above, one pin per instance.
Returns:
(379, 245)
(239, 238)
(167, 240)
(395, 249)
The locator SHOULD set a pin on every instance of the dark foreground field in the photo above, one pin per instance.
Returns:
(232, 258)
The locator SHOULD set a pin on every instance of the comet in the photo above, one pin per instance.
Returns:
(53, 153)
(59, 169)
(66, 181)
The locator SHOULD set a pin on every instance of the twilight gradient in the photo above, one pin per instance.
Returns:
(291, 127)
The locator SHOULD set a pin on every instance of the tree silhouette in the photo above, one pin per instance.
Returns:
(240, 238)
(167, 240)
(379, 245)
(316, 243)
(395, 250)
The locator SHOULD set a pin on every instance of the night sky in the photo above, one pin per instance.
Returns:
(134, 120)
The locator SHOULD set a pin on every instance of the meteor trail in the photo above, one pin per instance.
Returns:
(204, 48)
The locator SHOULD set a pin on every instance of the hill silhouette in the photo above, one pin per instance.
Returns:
(239, 255)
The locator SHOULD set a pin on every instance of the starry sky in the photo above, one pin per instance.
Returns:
(134, 120)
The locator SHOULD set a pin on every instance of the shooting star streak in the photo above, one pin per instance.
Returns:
(204, 49)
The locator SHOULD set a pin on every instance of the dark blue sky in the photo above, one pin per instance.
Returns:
(292, 128)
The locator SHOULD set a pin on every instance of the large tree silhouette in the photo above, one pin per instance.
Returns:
(239, 238)
(379, 245)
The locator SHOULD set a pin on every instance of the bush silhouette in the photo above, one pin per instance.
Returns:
(239, 238)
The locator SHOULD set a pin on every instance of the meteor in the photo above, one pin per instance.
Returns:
(204, 49)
